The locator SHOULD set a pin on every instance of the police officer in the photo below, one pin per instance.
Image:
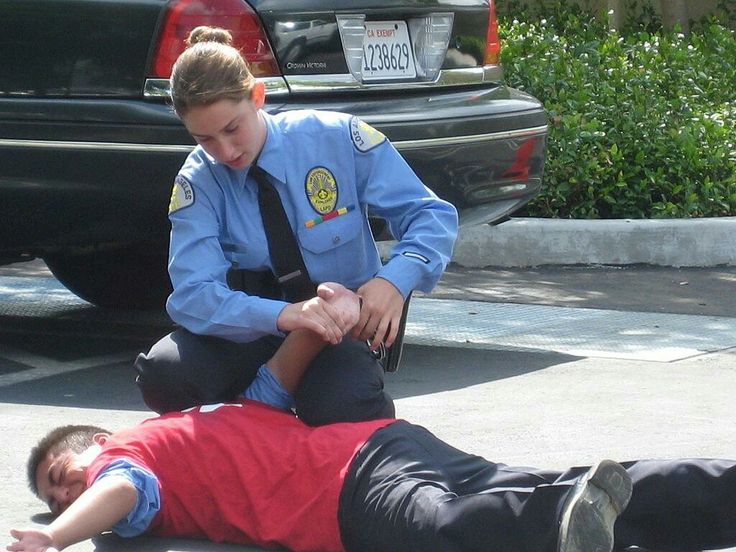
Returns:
(330, 171)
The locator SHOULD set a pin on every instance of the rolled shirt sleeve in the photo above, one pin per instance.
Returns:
(267, 388)
(201, 301)
(148, 502)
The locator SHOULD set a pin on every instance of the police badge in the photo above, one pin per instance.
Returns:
(321, 188)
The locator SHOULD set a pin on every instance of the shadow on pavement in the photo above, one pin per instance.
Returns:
(427, 370)
(113, 543)
(69, 347)
(110, 387)
(109, 542)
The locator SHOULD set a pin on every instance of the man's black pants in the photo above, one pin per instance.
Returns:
(409, 491)
(343, 383)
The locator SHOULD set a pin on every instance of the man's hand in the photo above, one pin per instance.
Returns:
(330, 315)
(381, 312)
(97, 509)
(31, 540)
(345, 301)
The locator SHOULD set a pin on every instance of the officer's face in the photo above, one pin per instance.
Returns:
(230, 131)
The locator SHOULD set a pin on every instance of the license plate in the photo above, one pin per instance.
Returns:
(387, 51)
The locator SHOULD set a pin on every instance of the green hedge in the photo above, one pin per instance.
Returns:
(642, 121)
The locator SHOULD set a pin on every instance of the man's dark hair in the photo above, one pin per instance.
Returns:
(76, 438)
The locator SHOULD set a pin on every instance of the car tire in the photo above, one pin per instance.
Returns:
(115, 279)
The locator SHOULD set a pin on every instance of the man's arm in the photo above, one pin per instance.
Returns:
(321, 314)
(98, 508)
(300, 347)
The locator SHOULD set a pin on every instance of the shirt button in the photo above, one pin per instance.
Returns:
(336, 240)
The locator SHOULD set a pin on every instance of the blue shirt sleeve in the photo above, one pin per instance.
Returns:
(266, 388)
(149, 498)
(201, 300)
(425, 226)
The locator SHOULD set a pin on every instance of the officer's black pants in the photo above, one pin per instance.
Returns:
(409, 491)
(344, 382)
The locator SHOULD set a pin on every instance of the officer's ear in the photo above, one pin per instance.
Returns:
(258, 95)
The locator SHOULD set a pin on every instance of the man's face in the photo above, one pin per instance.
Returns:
(62, 477)
(231, 132)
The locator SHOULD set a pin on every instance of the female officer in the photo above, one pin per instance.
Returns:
(330, 170)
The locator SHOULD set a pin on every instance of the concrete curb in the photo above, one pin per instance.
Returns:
(523, 242)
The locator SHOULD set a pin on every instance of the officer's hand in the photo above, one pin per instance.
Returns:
(344, 300)
(380, 314)
(328, 321)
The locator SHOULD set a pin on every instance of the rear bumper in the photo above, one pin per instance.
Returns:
(83, 173)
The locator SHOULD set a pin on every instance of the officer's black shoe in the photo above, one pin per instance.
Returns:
(592, 508)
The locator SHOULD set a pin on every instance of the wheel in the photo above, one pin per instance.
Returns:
(115, 279)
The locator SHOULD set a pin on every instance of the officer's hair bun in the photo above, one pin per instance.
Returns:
(204, 33)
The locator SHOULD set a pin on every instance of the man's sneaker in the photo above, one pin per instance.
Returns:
(592, 508)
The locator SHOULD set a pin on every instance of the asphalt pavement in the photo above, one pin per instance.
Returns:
(548, 366)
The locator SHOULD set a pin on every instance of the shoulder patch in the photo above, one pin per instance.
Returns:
(321, 188)
(364, 136)
(182, 195)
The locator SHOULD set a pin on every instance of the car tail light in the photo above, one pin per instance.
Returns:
(493, 44)
(234, 15)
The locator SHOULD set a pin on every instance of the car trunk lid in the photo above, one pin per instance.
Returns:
(334, 37)
(76, 47)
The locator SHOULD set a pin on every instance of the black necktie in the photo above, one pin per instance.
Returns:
(286, 257)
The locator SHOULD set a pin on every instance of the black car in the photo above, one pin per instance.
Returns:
(89, 146)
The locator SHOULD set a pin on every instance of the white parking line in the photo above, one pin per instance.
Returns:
(44, 367)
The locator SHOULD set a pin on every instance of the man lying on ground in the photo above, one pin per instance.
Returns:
(250, 472)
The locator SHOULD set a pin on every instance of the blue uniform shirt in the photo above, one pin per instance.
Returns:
(331, 170)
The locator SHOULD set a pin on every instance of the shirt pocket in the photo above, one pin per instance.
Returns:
(331, 234)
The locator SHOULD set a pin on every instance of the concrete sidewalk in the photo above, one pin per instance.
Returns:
(523, 242)
(533, 242)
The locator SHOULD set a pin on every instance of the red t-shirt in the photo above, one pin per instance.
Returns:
(243, 472)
